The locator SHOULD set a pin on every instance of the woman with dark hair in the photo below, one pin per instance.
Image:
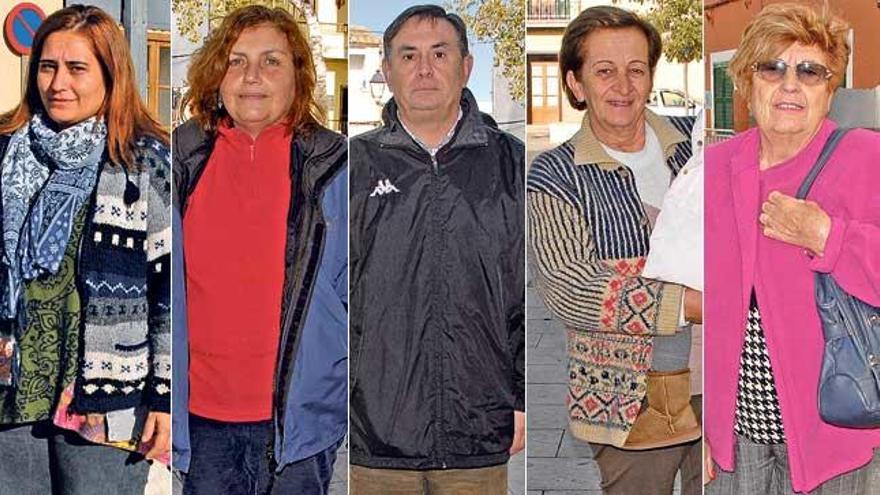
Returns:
(591, 205)
(262, 190)
(84, 280)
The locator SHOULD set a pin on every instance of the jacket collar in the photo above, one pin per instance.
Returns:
(472, 129)
(322, 154)
(588, 149)
(315, 151)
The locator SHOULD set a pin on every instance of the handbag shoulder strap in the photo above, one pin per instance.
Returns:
(827, 150)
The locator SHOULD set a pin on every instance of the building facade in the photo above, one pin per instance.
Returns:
(365, 65)
(724, 22)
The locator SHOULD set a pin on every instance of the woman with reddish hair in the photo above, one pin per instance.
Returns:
(84, 280)
(262, 190)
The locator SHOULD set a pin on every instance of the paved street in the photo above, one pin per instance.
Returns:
(557, 463)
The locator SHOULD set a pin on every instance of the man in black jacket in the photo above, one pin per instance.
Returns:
(438, 284)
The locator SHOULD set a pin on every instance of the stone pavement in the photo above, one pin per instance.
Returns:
(557, 463)
(516, 472)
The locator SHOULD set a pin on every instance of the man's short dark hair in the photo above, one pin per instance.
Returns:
(594, 19)
(425, 12)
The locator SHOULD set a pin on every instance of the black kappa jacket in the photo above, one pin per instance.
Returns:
(438, 289)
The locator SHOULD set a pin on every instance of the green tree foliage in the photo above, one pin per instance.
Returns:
(503, 23)
(681, 24)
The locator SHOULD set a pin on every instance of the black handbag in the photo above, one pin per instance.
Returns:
(849, 384)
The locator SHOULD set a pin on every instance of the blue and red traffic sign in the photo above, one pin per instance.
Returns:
(21, 26)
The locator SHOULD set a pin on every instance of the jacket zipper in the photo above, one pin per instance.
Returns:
(441, 448)
(286, 320)
(279, 388)
(440, 455)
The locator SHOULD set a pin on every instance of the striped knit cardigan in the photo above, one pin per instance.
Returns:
(588, 236)
(124, 277)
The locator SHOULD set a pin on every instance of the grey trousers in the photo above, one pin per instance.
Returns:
(39, 458)
(763, 469)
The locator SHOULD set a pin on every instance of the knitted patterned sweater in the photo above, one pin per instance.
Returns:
(124, 275)
(588, 237)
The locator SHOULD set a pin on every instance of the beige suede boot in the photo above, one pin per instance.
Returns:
(668, 418)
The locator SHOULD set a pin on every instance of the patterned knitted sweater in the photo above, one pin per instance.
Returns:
(124, 275)
(588, 236)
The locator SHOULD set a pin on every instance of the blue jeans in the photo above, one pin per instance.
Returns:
(39, 458)
(233, 458)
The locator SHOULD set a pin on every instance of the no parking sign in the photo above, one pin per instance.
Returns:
(21, 26)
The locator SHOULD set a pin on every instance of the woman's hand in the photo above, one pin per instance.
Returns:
(158, 430)
(795, 221)
(708, 466)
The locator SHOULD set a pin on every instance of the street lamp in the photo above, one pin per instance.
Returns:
(377, 86)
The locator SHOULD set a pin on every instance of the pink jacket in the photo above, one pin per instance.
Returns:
(739, 257)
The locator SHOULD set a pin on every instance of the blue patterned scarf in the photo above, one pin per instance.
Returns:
(46, 177)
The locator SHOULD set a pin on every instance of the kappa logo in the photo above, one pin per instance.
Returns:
(384, 187)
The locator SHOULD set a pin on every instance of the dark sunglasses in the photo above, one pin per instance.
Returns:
(809, 73)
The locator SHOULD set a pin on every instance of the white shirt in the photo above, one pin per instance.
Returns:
(648, 166)
(448, 137)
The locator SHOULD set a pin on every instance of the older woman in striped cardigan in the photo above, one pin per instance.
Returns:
(591, 203)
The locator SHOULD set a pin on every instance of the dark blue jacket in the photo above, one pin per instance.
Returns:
(310, 403)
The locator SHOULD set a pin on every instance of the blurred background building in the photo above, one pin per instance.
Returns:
(368, 91)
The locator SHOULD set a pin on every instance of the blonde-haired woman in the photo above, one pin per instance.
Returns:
(764, 343)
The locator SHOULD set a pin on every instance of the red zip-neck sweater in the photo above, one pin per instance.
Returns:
(236, 225)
